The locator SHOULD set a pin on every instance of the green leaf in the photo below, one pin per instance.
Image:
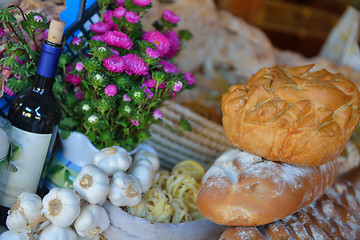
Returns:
(185, 35)
(69, 123)
(184, 124)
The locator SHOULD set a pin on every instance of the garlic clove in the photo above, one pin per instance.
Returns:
(143, 171)
(10, 235)
(125, 190)
(92, 221)
(153, 158)
(92, 184)
(53, 232)
(112, 159)
(61, 206)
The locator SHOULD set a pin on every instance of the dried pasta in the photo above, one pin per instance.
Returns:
(172, 199)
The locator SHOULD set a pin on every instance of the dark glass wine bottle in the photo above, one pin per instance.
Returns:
(34, 115)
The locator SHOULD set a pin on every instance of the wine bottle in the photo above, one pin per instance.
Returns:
(34, 115)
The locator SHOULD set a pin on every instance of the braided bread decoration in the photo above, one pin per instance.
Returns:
(336, 215)
(292, 115)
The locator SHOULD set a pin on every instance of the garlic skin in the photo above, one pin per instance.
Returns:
(112, 159)
(61, 206)
(153, 158)
(25, 213)
(53, 232)
(92, 184)
(125, 190)
(92, 221)
(143, 171)
(10, 235)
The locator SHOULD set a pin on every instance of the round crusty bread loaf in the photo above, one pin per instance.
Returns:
(292, 115)
(242, 189)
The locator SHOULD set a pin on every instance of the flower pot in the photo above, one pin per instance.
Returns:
(77, 151)
(127, 227)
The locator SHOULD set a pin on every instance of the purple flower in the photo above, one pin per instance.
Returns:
(2, 33)
(168, 66)
(170, 16)
(126, 98)
(110, 90)
(142, 3)
(157, 114)
(75, 79)
(177, 86)
(189, 78)
(153, 53)
(118, 39)
(108, 19)
(8, 91)
(17, 76)
(114, 64)
(38, 19)
(19, 61)
(114, 52)
(119, 12)
(76, 41)
(159, 40)
(119, 2)
(79, 66)
(175, 44)
(150, 83)
(132, 17)
(99, 38)
(147, 90)
(136, 123)
(79, 95)
(135, 65)
(45, 34)
(100, 27)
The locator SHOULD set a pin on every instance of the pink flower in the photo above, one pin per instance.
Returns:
(2, 33)
(38, 19)
(135, 65)
(157, 114)
(159, 40)
(119, 12)
(108, 19)
(147, 90)
(75, 79)
(142, 3)
(19, 61)
(17, 76)
(8, 91)
(45, 34)
(119, 2)
(151, 83)
(114, 64)
(175, 44)
(189, 78)
(168, 66)
(76, 41)
(177, 86)
(126, 98)
(110, 90)
(162, 85)
(100, 27)
(132, 17)
(99, 38)
(153, 53)
(79, 94)
(79, 66)
(170, 16)
(136, 123)
(6, 71)
(118, 39)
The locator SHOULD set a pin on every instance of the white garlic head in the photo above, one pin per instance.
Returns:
(112, 159)
(53, 232)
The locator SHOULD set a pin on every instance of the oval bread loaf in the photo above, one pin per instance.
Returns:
(242, 189)
(293, 115)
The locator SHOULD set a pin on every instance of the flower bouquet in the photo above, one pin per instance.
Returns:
(113, 92)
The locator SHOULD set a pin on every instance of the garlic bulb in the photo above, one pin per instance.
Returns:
(10, 235)
(53, 232)
(153, 158)
(61, 206)
(112, 159)
(143, 171)
(92, 184)
(125, 190)
(25, 213)
(92, 221)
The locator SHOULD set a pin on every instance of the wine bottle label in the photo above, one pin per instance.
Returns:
(24, 171)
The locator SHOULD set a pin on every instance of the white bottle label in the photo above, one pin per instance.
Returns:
(26, 166)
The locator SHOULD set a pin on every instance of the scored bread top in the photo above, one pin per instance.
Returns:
(292, 115)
